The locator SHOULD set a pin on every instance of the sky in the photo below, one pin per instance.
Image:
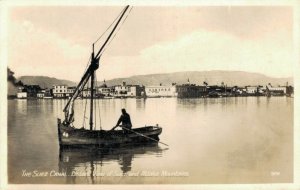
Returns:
(56, 41)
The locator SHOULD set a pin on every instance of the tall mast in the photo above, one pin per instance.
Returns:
(113, 30)
(92, 93)
(89, 74)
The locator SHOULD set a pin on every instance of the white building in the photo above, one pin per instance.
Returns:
(22, 95)
(105, 91)
(128, 90)
(59, 91)
(161, 91)
(275, 91)
(121, 90)
(135, 90)
(132, 91)
(70, 91)
(261, 89)
(62, 91)
(278, 88)
(251, 89)
(86, 93)
(41, 94)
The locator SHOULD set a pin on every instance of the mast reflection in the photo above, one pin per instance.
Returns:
(86, 164)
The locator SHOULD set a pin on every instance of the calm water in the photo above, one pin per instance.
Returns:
(225, 140)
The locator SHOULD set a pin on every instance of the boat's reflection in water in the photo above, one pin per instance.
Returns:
(85, 165)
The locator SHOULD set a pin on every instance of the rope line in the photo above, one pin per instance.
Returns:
(99, 115)
(95, 105)
(87, 64)
(109, 26)
(84, 123)
(119, 27)
(99, 112)
(98, 105)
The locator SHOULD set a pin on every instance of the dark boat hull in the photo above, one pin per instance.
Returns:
(71, 137)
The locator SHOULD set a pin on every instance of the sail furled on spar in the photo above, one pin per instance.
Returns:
(69, 136)
(94, 65)
(69, 108)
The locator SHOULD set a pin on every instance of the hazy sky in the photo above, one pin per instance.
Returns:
(56, 41)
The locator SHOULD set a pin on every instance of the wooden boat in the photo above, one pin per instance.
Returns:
(70, 136)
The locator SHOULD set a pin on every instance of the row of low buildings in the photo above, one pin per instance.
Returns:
(194, 91)
(63, 91)
(181, 91)
(118, 91)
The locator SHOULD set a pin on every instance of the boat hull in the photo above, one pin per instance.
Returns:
(71, 137)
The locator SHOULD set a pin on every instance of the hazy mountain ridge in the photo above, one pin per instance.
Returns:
(44, 81)
(230, 78)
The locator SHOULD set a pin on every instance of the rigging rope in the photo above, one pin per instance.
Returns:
(84, 111)
(99, 115)
(119, 27)
(97, 102)
(109, 26)
(99, 109)
(94, 105)
(87, 64)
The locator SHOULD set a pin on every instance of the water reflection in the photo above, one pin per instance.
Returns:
(258, 101)
(22, 106)
(216, 140)
(88, 164)
(141, 103)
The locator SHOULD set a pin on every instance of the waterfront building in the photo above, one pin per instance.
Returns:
(121, 90)
(70, 91)
(135, 90)
(224, 91)
(48, 93)
(251, 90)
(236, 91)
(60, 91)
(86, 93)
(255, 90)
(215, 91)
(28, 91)
(41, 93)
(21, 95)
(261, 90)
(125, 90)
(191, 91)
(161, 91)
(104, 91)
(275, 91)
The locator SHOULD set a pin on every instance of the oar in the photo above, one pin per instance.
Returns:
(143, 135)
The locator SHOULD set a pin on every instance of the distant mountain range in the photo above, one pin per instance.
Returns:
(230, 78)
(44, 81)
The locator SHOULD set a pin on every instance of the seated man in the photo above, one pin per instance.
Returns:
(125, 119)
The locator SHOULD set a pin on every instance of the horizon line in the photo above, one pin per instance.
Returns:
(159, 74)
